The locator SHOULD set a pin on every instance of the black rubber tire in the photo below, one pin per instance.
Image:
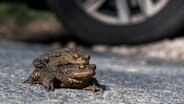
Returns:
(166, 23)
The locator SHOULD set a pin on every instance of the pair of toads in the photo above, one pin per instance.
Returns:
(64, 68)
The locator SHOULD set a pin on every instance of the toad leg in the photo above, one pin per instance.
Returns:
(48, 82)
(49, 87)
(31, 80)
(94, 86)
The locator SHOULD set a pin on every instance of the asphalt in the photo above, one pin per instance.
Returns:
(127, 79)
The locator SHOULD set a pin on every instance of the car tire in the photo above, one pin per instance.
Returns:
(162, 25)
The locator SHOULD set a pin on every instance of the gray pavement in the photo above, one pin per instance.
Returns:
(129, 80)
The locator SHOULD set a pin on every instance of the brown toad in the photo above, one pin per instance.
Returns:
(68, 76)
(52, 60)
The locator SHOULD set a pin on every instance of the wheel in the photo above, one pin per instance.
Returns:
(120, 21)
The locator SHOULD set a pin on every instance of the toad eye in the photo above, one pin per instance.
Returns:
(81, 66)
(75, 56)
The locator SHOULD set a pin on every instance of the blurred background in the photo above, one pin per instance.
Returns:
(151, 28)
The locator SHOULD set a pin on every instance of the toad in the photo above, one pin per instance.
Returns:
(67, 76)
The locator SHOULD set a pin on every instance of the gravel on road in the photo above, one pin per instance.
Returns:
(129, 79)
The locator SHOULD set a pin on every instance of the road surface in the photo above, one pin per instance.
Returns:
(128, 79)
